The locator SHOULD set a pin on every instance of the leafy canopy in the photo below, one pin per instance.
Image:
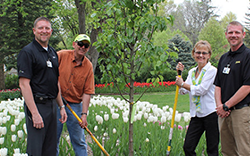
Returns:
(126, 43)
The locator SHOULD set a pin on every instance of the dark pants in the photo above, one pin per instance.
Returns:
(42, 142)
(197, 126)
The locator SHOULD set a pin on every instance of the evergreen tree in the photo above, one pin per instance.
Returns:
(183, 50)
(16, 25)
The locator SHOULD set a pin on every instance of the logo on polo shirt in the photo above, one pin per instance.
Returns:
(237, 62)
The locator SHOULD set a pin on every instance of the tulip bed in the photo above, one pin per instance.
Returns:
(108, 121)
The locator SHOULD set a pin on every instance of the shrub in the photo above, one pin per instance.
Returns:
(11, 81)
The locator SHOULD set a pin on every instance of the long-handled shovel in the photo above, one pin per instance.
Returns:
(92, 136)
(173, 116)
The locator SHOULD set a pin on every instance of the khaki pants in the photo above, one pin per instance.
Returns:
(235, 133)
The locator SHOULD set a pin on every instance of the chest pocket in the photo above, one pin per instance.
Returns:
(79, 81)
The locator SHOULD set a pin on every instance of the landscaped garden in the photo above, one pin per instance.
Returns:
(108, 121)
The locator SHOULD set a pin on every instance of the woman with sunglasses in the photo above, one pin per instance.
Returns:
(199, 85)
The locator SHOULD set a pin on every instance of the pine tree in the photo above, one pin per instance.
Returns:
(183, 49)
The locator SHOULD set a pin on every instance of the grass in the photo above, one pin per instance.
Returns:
(162, 99)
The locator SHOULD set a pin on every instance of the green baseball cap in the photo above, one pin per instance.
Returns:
(82, 37)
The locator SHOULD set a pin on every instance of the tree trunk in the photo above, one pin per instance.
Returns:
(93, 53)
(81, 16)
(2, 84)
(131, 100)
(131, 149)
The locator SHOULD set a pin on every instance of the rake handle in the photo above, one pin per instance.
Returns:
(92, 136)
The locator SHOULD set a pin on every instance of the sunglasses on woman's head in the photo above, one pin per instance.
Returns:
(86, 45)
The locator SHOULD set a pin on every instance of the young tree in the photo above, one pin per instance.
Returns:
(126, 45)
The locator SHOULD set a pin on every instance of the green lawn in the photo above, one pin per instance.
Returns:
(163, 99)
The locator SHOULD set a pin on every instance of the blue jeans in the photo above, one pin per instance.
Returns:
(76, 133)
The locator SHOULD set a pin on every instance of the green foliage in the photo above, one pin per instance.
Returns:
(162, 38)
(16, 25)
(11, 81)
(214, 33)
(128, 30)
(229, 17)
(10, 94)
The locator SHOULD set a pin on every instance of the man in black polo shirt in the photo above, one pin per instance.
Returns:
(37, 65)
(232, 94)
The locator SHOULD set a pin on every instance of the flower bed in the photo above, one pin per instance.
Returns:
(108, 121)
(139, 87)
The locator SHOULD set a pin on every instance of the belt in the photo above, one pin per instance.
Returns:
(239, 107)
(42, 99)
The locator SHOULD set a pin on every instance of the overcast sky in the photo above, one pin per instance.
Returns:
(238, 7)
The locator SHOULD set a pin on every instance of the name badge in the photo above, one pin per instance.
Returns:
(226, 70)
(49, 64)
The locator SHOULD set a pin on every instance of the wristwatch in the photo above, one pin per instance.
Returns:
(225, 107)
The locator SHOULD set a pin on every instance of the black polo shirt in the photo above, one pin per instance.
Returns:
(239, 74)
(33, 62)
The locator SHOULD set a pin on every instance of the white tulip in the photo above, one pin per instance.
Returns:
(163, 119)
(3, 130)
(3, 151)
(8, 117)
(67, 137)
(13, 138)
(4, 120)
(16, 150)
(115, 116)
(1, 140)
(139, 116)
(13, 128)
(95, 128)
(178, 117)
(147, 140)
(99, 119)
(105, 134)
(144, 124)
(146, 116)
(114, 130)
(17, 121)
(106, 117)
(125, 119)
(20, 133)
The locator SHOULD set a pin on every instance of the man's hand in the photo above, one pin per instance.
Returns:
(84, 121)
(221, 112)
(37, 121)
(63, 115)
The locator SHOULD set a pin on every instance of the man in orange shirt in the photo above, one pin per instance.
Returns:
(76, 79)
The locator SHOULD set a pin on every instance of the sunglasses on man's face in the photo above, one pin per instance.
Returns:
(86, 45)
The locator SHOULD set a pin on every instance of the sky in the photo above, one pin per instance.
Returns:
(238, 7)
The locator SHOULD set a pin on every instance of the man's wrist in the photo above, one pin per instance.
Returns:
(63, 106)
(84, 113)
(225, 107)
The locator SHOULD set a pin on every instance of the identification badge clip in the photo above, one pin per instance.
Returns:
(226, 70)
(49, 64)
